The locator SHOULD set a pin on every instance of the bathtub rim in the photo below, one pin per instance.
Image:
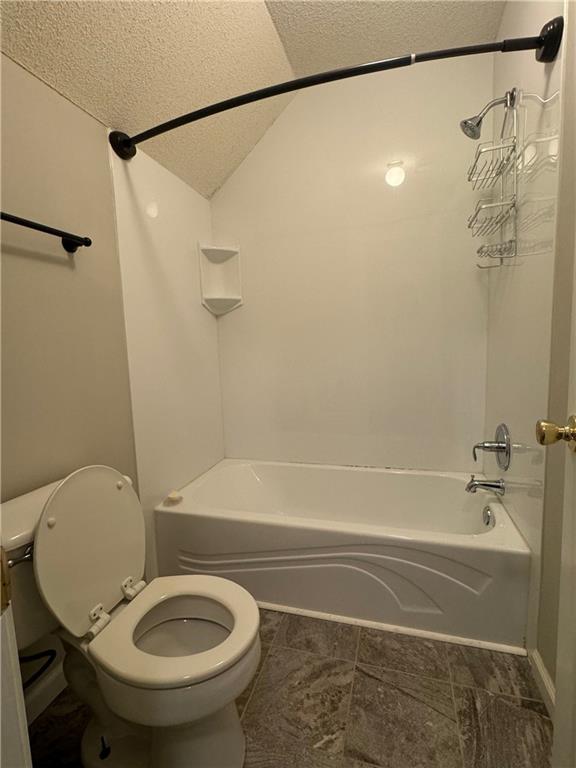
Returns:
(504, 536)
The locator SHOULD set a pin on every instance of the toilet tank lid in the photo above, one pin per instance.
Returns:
(19, 516)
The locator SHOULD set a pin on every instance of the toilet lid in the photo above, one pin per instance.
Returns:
(90, 539)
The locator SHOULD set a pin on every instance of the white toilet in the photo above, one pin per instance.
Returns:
(166, 659)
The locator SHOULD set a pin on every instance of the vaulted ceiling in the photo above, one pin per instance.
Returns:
(135, 63)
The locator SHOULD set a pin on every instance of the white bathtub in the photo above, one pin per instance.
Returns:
(402, 548)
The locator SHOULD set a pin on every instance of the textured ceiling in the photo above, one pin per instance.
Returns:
(326, 34)
(135, 63)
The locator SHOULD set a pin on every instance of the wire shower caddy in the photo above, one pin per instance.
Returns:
(494, 170)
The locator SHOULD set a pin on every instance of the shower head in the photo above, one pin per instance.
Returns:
(472, 126)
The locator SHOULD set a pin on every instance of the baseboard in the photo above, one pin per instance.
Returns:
(543, 680)
(501, 647)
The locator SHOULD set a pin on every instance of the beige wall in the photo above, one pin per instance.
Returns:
(66, 399)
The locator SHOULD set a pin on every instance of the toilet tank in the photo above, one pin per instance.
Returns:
(19, 518)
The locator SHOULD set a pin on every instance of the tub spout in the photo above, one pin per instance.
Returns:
(495, 486)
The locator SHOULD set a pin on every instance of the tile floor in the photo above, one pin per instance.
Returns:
(331, 695)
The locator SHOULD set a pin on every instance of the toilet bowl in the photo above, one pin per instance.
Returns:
(177, 650)
(169, 657)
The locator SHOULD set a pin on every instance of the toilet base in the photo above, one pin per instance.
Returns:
(214, 742)
(130, 751)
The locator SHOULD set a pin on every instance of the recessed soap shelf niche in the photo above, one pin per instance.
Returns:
(221, 278)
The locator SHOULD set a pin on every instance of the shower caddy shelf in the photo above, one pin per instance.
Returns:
(489, 217)
(490, 162)
(495, 168)
(497, 250)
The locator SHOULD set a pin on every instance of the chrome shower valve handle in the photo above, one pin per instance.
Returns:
(501, 446)
(488, 445)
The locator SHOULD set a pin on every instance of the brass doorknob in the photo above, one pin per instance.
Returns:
(547, 433)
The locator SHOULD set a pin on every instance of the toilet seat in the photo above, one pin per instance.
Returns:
(114, 649)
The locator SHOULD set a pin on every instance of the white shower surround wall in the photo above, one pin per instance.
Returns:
(395, 547)
(364, 317)
(172, 340)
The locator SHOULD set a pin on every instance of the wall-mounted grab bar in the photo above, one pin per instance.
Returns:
(70, 242)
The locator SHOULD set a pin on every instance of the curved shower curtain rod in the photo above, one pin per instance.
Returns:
(546, 45)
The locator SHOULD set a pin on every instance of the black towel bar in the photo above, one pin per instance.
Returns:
(70, 242)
